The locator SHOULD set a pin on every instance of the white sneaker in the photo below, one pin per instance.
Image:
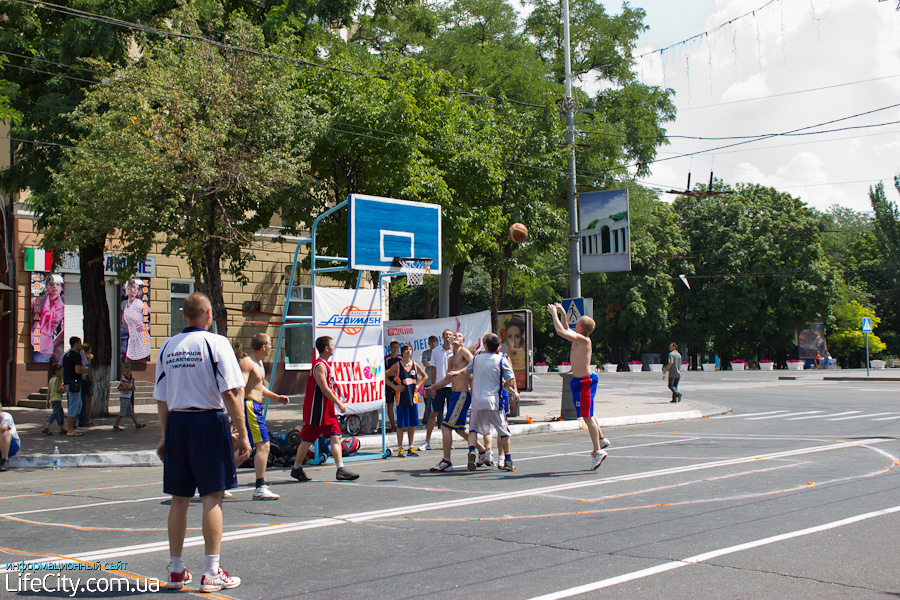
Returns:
(227, 495)
(425, 446)
(264, 493)
(221, 580)
(597, 459)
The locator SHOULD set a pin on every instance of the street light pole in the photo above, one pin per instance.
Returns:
(569, 105)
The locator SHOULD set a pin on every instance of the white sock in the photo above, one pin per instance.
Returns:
(488, 455)
(340, 464)
(176, 565)
(211, 566)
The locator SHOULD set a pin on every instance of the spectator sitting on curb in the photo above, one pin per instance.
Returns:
(9, 439)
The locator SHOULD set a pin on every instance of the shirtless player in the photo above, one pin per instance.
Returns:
(584, 382)
(460, 399)
(254, 391)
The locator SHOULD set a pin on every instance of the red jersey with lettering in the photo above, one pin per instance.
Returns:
(317, 409)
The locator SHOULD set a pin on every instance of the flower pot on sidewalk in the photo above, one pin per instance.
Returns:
(737, 366)
(877, 364)
(766, 366)
(657, 368)
(541, 368)
(795, 365)
(610, 367)
(708, 366)
(565, 368)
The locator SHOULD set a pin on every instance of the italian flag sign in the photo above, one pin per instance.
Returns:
(38, 260)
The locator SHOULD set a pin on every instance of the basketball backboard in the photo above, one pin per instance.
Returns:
(381, 229)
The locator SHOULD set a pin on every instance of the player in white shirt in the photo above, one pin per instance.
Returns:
(197, 379)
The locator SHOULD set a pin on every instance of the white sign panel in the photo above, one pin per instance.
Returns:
(416, 333)
(359, 377)
(605, 231)
(353, 318)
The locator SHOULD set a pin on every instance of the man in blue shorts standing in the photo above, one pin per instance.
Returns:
(197, 379)
(584, 382)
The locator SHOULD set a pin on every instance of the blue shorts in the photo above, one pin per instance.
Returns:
(583, 391)
(13, 447)
(73, 409)
(256, 423)
(407, 416)
(457, 411)
(440, 400)
(199, 454)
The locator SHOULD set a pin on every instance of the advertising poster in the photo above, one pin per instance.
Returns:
(134, 325)
(515, 338)
(605, 231)
(812, 341)
(416, 333)
(359, 377)
(353, 318)
(48, 312)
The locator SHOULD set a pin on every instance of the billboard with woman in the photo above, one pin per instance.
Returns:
(48, 313)
(515, 337)
(134, 326)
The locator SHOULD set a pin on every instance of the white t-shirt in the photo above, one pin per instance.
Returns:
(194, 368)
(5, 417)
(439, 360)
(488, 372)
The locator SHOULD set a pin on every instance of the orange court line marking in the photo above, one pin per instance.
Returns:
(79, 528)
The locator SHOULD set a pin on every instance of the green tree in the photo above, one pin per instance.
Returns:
(760, 273)
(635, 310)
(884, 264)
(847, 342)
(192, 143)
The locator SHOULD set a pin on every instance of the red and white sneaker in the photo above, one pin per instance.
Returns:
(178, 580)
(221, 580)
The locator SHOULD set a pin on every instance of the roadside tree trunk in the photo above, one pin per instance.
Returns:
(96, 324)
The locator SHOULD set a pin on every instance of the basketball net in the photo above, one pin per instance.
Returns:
(415, 269)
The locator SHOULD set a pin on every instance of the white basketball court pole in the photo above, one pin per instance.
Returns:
(569, 105)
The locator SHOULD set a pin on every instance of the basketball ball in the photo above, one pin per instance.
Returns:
(518, 233)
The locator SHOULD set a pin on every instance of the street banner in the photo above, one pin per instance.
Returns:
(359, 377)
(416, 333)
(353, 318)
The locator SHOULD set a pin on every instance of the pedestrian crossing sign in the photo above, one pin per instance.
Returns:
(576, 308)
(867, 324)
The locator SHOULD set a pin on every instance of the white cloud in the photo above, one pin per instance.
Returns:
(789, 46)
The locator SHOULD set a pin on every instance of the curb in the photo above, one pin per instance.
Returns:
(148, 458)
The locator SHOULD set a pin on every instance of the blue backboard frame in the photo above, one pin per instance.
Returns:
(380, 229)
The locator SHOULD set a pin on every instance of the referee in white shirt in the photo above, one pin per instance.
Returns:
(197, 379)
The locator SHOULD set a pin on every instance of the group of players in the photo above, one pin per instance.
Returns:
(203, 391)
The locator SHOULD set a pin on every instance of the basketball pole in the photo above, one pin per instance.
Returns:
(569, 105)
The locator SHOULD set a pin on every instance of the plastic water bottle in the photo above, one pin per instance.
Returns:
(56, 461)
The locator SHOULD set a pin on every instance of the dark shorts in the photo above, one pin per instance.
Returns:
(256, 423)
(583, 391)
(199, 454)
(457, 411)
(310, 433)
(441, 397)
(407, 416)
(13, 447)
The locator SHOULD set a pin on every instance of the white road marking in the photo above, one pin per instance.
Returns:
(895, 417)
(699, 558)
(805, 412)
(678, 441)
(267, 530)
(771, 412)
(849, 412)
(862, 416)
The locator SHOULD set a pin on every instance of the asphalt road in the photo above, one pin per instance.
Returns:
(793, 495)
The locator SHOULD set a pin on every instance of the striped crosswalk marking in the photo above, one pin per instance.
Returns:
(771, 412)
(849, 412)
(806, 412)
(863, 416)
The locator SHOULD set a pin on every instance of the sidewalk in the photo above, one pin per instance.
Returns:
(101, 446)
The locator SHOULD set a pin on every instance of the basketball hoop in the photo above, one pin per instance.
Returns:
(415, 269)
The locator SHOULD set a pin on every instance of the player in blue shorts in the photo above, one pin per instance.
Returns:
(197, 379)
(584, 383)
(405, 377)
(458, 403)
(255, 390)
